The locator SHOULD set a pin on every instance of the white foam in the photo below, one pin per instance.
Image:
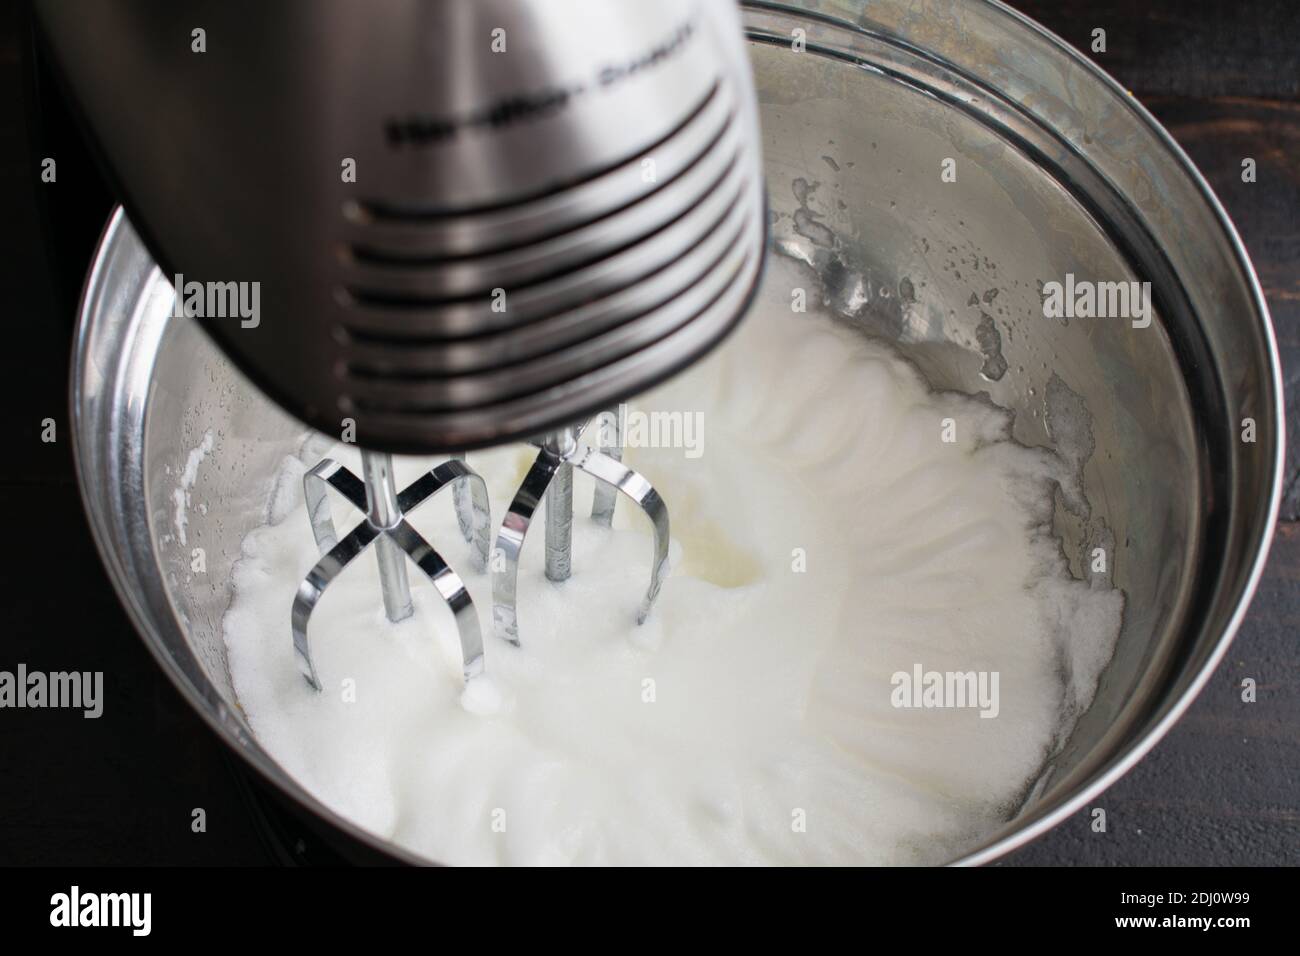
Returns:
(750, 719)
(286, 494)
(189, 475)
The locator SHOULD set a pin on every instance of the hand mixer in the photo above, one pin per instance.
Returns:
(471, 222)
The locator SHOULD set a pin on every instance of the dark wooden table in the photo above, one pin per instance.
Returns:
(1222, 788)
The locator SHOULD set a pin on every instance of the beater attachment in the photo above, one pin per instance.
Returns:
(551, 479)
(386, 527)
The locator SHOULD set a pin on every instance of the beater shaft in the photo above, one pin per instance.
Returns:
(383, 514)
(559, 508)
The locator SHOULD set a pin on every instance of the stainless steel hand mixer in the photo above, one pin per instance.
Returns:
(470, 222)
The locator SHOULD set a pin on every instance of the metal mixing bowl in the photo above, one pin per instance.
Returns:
(1058, 170)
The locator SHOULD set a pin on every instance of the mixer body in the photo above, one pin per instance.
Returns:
(467, 222)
